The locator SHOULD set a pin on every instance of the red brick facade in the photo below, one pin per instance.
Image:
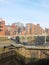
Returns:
(29, 29)
(2, 27)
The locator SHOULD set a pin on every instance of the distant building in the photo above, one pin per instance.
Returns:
(28, 28)
(47, 31)
(23, 32)
(33, 29)
(39, 29)
(18, 24)
(18, 28)
(7, 30)
(2, 27)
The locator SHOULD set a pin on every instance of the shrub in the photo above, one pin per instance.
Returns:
(29, 37)
(22, 37)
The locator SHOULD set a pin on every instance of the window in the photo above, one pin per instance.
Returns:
(1, 26)
(1, 30)
(1, 23)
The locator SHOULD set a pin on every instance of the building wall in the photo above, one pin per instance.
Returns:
(33, 53)
(28, 28)
(39, 29)
(11, 30)
(48, 31)
(2, 27)
(33, 30)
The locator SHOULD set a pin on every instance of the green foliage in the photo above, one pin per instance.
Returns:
(39, 40)
(22, 37)
(39, 62)
(47, 38)
(34, 59)
(29, 37)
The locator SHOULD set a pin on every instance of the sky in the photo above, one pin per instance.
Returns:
(25, 11)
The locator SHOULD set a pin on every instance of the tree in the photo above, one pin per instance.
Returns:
(39, 40)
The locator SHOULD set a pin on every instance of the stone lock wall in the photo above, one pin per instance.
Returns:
(33, 53)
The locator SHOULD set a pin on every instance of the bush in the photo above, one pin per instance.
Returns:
(39, 62)
(29, 37)
(47, 38)
(39, 40)
(22, 37)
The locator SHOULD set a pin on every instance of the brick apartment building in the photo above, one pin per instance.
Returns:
(7, 30)
(2, 27)
(18, 28)
(28, 28)
(39, 29)
(34, 29)
(14, 29)
(10, 30)
(23, 32)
